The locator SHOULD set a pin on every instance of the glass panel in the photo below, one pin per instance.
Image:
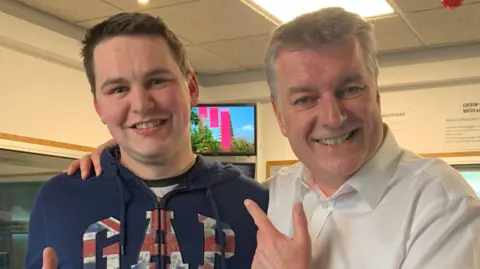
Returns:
(21, 176)
(473, 178)
(471, 173)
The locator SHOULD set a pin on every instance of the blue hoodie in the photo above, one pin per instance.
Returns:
(116, 221)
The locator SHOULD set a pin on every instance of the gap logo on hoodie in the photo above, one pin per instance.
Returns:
(115, 220)
(111, 227)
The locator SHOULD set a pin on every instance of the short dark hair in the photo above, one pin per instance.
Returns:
(131, 24)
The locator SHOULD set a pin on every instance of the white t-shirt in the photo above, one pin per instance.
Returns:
(398, 212)
(163, 186)
(161, 191)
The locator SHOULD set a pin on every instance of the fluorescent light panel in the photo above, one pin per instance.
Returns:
(286, 10)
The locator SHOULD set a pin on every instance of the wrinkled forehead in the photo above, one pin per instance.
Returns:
(297, 70)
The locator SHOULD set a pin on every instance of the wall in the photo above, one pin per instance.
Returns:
(43, 91)
(426, 121)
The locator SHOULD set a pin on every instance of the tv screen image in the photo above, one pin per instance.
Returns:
(224, 130)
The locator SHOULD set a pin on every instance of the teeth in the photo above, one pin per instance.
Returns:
(336, 140)
(146, 125)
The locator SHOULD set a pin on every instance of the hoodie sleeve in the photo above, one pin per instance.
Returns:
(37, 233)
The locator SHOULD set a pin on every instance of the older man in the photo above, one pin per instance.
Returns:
(368, 202)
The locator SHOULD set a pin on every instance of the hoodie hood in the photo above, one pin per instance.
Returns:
(199, 177)
(203, 176)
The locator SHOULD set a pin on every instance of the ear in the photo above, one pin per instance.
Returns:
(193, 89)
(98, 109)
(278, 114)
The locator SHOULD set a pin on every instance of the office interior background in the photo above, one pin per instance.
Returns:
(429, 82)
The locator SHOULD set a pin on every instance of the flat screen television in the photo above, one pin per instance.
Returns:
(247, 168)
(224, 129)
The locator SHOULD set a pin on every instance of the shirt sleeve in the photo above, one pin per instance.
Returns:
(37, 234)
(447, 237)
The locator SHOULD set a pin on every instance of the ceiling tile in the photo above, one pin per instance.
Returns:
(248, 52)
(73, 11)
(444, 26)
(392, 33)
(90, 23)
(419, 5)
(205, 62)
(212, 20)
(132, 5)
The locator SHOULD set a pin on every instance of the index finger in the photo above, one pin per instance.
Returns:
(259, 217)
(49, 259)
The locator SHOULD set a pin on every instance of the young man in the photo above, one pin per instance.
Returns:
(156, 204)
(368, 202)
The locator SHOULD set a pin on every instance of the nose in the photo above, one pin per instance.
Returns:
(332, 113)
(141, 100)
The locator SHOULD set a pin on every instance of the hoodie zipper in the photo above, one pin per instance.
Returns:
(159, 207)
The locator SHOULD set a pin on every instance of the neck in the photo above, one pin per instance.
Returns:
(164, 167)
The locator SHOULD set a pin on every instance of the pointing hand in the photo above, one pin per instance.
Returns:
(276, 250)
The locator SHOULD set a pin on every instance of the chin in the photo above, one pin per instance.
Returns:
(341, 167)
(148, 151)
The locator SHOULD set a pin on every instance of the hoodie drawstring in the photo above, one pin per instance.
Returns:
(123, 209)
(218, 228)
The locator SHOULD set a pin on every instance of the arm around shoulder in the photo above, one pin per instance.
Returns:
(447, 237)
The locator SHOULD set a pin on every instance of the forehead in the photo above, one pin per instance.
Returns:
(126, 54)
(324, 66)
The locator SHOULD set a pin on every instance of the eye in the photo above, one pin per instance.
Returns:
(304, 102)
(351, 92)
(157, 81)
(118, 90)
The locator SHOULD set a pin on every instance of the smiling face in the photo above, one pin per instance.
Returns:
(143, 97)
(328, 106)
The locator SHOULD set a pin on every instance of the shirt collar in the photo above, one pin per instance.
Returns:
(372, 179)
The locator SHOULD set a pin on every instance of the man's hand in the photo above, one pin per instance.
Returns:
(276, 250)
(85, 163)
(49, 259)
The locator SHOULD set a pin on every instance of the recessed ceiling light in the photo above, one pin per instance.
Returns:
(143, 2)
(287, 10)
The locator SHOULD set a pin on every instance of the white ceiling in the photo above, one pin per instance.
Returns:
(223, 36)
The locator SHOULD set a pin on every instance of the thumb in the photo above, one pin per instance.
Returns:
(49, 259)
(300, 225)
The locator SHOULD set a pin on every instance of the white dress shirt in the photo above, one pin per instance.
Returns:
(399, 211)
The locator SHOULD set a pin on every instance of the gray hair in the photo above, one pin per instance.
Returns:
(317, 30)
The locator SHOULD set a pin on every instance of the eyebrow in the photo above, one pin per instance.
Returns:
(119, 80)
(157, 71)
(355, 77)
(300, 89)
